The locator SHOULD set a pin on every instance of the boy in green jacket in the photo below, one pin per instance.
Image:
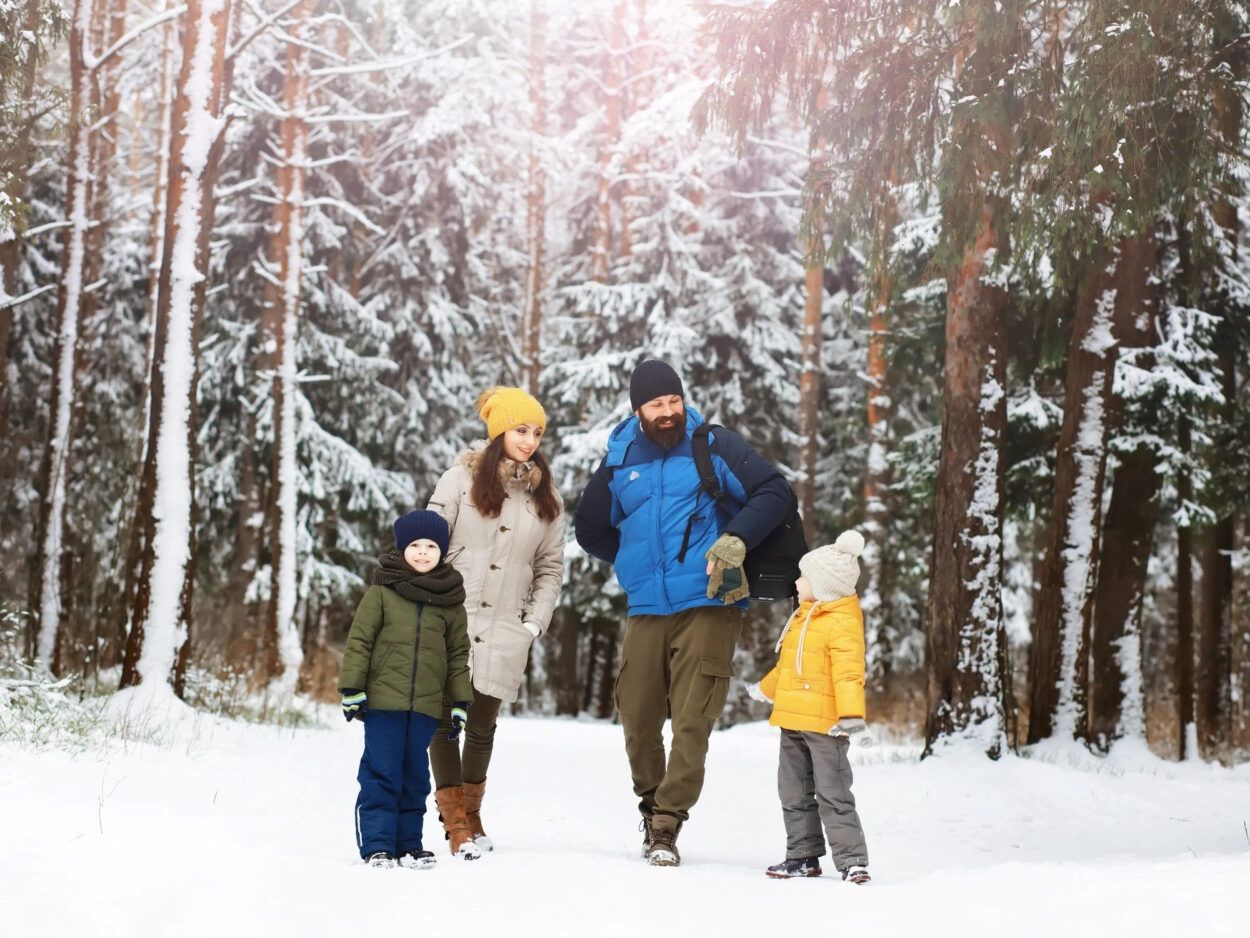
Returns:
(408, 648)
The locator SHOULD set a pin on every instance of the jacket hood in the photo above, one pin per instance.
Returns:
(630, 430)
(510, 470)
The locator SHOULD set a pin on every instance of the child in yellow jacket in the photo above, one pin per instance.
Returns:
(817, 692)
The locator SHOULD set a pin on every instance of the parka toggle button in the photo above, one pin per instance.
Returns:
(503, 528)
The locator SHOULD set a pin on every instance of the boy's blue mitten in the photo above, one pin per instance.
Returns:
(459, 717)
(355, 704)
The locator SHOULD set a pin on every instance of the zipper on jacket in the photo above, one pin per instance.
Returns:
(416, 646)
(659, 540)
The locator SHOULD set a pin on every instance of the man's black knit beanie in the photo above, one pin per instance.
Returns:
(652, 379)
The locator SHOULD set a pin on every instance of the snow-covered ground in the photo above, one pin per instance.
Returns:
(236, 830)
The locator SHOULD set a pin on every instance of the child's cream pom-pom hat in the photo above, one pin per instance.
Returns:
(833, 570)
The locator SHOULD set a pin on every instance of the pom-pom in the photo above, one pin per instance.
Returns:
(483, 400)
(852, 542)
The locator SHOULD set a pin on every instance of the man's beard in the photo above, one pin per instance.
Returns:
(665, 436)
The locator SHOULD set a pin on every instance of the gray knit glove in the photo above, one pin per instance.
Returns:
(855, 729)
(728, 553)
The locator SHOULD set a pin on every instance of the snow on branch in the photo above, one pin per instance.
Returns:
(266, 21)
(348, 208)
(384, 65)
(355, 118)
(93, 62)
(10, 302)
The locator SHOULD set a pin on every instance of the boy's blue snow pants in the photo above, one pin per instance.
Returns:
(394, 781)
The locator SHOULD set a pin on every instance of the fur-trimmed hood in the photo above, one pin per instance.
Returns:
(511, 472)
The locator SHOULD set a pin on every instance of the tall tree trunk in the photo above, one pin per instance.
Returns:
(965, 636)
(809, 384)
(640, 85)
(536, 202)
(283, 650)
(965, 641)
(1239, 627)
(877, 471)
(1215, 675)
(132, 559)
(1184, 604)
(1115, 704)
(810, 344)
(1214, 682)
(1059, 673)
(45, 591)
(159, 639)
(565, 639)
(601, 246)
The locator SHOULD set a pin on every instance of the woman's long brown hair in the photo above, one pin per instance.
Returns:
(487, 490)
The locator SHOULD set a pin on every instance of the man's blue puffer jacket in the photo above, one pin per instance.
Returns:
(635, 511)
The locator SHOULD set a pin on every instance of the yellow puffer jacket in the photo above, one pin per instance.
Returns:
(819, 677)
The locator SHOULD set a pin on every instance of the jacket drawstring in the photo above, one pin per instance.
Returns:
(802, 636)
(798, 664)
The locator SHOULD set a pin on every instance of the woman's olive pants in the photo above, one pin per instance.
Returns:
(450, 767)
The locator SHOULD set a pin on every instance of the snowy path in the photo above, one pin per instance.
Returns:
(244, 830)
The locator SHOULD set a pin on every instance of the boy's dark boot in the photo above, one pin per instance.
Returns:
(797, 866)
(474, 792)
(662, 850)
(417, 860)
(451, 812)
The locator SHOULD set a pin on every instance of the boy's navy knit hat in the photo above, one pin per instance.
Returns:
(652, 379)
(417, 525)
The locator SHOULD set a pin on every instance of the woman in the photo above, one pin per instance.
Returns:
(507, 541)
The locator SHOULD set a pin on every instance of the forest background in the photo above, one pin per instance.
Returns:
(972, 273)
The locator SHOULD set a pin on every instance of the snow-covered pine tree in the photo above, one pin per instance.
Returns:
(1108, 174)
(897, 60)
(28, 28)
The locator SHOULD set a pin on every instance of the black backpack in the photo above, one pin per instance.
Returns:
(772, 565)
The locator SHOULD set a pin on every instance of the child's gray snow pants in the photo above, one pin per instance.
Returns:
(814, 782)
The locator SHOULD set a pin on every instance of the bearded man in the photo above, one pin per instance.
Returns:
(679, 557)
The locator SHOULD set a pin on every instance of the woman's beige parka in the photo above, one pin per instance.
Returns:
(513, 567)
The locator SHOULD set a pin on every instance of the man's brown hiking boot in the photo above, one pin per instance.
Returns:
(473, 794)
(645, 826)
(450, 801)
(662, 849)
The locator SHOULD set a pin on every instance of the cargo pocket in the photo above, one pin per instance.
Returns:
(712, 689)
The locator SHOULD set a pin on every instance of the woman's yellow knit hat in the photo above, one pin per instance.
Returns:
(505, 408)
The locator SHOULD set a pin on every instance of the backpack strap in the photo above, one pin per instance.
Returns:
(702, 451)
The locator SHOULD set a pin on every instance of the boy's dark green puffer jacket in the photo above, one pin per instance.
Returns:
(398, 671)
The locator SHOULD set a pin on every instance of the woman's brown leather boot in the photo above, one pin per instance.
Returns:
(473, 794)
(450, 801)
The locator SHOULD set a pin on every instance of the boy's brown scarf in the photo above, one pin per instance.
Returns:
(442, 586)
